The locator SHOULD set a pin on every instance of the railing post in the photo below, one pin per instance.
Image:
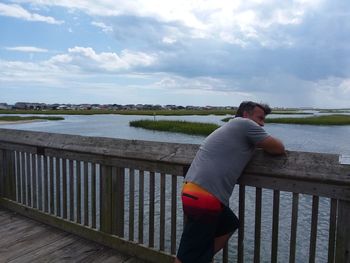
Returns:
(2, 168)
(7, 174)
(342, 253)
(106, 198)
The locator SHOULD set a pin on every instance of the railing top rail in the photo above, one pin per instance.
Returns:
(305, 166)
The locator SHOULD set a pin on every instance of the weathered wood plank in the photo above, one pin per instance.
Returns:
(313, 234)
(18, 177)
(2, 173)
(173, 213)
(52, 185)
(294, 226)
(58, 188)
(78, 192)
(46, 184)
(23, 177)
(275, 225)
(64, 189)
(40, 182)
(34, 180)
(93, 195)
(240, 254)
(323, 189)
(71, 190)
(141, 206)
(105, 199)
(332, 230)
(131, 204)
(86, 194)
(29, 178)
(162, 213)
(123, 246)
(257, 234)
(342, 253)
(120, 202)
(151, 209)
(21, 244)
(35, 238)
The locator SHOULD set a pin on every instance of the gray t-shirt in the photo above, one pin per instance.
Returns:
(223, 155)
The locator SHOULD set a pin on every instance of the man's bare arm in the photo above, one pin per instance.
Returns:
(272, 145)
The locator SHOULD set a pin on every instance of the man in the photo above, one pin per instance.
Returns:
(211, 178)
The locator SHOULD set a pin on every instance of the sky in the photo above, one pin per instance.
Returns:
(291, 53)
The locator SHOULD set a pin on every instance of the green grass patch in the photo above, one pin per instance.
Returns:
(335, 119)
(335, 111)
(290, 112)
(193, 128)
(26, 118)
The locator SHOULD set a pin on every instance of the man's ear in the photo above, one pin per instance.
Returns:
(245, 114)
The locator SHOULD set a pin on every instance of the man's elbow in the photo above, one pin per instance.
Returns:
(278, 150)
(272, 145)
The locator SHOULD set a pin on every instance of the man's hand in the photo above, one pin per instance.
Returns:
(272, 145)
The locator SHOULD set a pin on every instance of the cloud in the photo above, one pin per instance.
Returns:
(87, 59)
(104, 27)
(77, 61)
(239, 22)
(27, 49)
(254, 49)
(17, 11)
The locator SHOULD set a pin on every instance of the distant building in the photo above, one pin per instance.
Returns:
(4, 106)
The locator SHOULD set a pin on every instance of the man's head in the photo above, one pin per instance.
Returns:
(254, 111)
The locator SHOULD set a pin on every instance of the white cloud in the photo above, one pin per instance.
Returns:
(21, 13)
(27, 49)
(87, 58)
(235, 22)
(103, 26)
(76, 63)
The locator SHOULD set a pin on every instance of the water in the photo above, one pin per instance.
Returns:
(325, 139)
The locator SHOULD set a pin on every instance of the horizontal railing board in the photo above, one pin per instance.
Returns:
(337, 191)
(128, 149)
(306, 166)
(119, 162)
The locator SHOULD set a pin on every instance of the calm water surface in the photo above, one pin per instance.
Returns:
(325, 139)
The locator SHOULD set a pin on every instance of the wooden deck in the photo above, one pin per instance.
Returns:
(25, 240)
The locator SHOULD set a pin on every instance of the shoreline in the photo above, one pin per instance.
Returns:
(19, 122)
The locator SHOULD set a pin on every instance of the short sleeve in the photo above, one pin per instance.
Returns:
(256, 133)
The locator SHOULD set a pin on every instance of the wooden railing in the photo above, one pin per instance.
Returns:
(125, 194)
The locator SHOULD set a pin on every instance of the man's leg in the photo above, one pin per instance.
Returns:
(221, 241)
(228, 224)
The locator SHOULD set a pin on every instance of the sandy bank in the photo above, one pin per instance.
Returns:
(19, 122)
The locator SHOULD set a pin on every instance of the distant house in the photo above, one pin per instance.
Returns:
(4, 106)
(62, 107)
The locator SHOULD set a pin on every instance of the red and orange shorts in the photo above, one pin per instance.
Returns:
(200, 204)
(207, 218)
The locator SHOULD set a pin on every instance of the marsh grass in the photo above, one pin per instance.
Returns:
(335, 119)
(193, 128)
(199, 128)
(26, 118)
